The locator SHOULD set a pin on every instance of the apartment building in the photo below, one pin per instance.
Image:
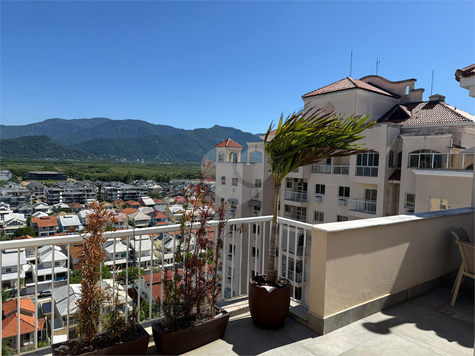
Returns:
(116, 190)
(80, 192)
(420, 158)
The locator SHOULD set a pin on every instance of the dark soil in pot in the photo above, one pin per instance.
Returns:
(181, 341)
(129, 343)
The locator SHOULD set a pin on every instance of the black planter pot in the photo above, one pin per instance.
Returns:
(269, 310)
(181, 341)
(137, 346)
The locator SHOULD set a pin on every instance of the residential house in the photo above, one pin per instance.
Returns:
(42, 208)
(142, 250)
(4, 211)
(36, 188)
(117, 253)
(26, 210)
(69, 223)
(146, 210)
(158, 218)
(10, 323)
(83, 216)
(133, 204)
(120, 221)
(13, 222)
(43, 270)
(14, 264)
(146, 201)
(139, 219)
(44, 225)
(5, 175)
(76, 207)
(15, 195)
(58, 206)
(149, 286)
(159, 204)
(38, 214)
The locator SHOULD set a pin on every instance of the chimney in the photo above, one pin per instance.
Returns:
(437, 98)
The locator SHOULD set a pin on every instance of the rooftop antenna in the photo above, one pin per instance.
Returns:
(432, 82)
(351, 62)
(377, 63)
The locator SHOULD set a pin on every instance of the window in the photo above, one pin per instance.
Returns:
(57, 264)
(289, 184)
(318, 216)
(367, 164)
(391, 159)
(222, 200)
(256, 229)
(344, 192)
(223, 180)
(288, 209)
(233, 203)
(437, 204)
(425, 159)
(410, 200)
(8, 270)
(258, 183)
(320, 189)
(302, 214)
(255, 252)
(253, 273)
(342, 218)
(221, 157)
(399, 159)
(370, 196)
(234, 182)
(231, 248)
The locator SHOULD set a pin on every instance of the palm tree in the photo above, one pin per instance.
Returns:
(306, 137)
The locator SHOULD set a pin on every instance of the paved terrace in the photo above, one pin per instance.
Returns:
(427, 325)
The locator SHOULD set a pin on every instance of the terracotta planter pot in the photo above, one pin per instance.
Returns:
(269, 310)
(188, 339)
(137, 346)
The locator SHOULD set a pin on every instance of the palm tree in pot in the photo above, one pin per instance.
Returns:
(303, 138)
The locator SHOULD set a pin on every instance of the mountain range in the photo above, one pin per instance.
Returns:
(103, 138)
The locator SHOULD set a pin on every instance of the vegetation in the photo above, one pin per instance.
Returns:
(304, 138)
(191, 294)
(131, 274)
(92, 256)
(5, 295)
(76, 276)
(104, 171)
(28, 230)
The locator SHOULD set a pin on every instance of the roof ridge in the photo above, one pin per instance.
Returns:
(454, 110)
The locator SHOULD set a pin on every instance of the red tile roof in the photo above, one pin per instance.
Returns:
(396, 175)
(158, 201)
(348, 83)
(11, 305)
(132, 202)
(44, 221)
(76, 206)
(180, 199)
(465, 72)
(129, 211)
(162, 223)
(24, 237)
(27, 325)
(426, 113)
(229, 143)
(159, 215)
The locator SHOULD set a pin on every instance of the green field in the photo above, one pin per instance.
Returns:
(104, 171)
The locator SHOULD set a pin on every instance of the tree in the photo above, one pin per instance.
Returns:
(5, 295)
(28, 230)
(306, 137)
(76, 276)
(133, 273)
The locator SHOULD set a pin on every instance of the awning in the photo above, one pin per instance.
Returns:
(254, 202)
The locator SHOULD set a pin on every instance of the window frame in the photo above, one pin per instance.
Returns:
(413, 203)
(367, 162)
(344, 191)
(319, 214)
(320, 190)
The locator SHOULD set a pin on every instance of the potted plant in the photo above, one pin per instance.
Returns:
(122, 337)
(191, 287)
(304, 138)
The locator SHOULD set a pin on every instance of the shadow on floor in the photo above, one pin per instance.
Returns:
(430, 312)
(246, 339)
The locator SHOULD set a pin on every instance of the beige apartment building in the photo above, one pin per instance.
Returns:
(420, 159)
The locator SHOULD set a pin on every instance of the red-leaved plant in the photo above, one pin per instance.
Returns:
(189, 297)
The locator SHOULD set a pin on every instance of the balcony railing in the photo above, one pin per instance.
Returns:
(341, 169)
(294, 277)
(362, 206)
(321, 168)
(450, 161)
(296, 196)
(159, 258)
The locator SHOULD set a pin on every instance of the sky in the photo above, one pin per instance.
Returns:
(234, 63)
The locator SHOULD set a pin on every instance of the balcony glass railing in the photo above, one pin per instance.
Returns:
(159, 258)
(322, 168)
(296, 196)
(341, 169)
(362, 206)
(450, 161)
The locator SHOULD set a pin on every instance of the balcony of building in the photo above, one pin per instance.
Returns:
(442, 161)
(362, 206)
(374, 286)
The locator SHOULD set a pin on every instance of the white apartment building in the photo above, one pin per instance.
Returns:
(420, 158)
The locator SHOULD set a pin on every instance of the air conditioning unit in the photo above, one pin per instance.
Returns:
(341, 202)
(255, 192)
(318, 199)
